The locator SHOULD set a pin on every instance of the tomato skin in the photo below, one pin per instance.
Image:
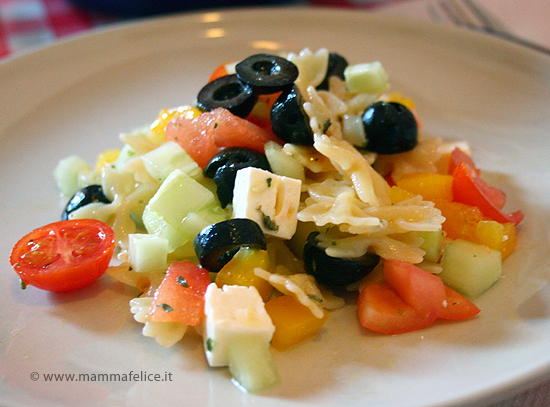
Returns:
(206, 135)
(219, 72)
(382, 310)
(64, 256)
(469, 189)
(457, 306)
(408, 300)
(424, 291)
(457, 156)
(180, 296)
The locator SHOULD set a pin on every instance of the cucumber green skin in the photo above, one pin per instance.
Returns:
(470, 268)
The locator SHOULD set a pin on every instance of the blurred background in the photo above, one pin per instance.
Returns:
(25, 24)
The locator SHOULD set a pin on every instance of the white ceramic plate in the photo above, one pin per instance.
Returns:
(76, 96)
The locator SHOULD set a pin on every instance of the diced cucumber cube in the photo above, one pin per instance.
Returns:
(180, 209)
(126, 154)
(157, 225)
(148, 253)
(139, 198)
(366, 78)
(432, 244)
(194, 222)
(178, 195)
(470, 268)
(283, 164)
(163, 160)
(67, 173)
(251, 363)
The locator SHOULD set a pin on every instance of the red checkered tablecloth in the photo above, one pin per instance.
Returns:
(28, 23)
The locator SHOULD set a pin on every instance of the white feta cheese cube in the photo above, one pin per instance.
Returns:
(268, 199)
(147, 253)
(232, 312)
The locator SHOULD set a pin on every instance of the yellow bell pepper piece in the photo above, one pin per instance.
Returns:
(165, 115)
(497, 236)
(460, 220)
(399, 194)
(294, 322)
(107, 157)
(399, 98)
(431, 186)
(240, 271)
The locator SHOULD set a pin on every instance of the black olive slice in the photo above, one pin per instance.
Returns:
(216, 244)
(227, 92)
(267, 73)
(289, 120)
(335, 271)
(223, 167)
(90, 194)
(337, 64)
(390, 128)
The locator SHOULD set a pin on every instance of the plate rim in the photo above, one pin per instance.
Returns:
(530, 379)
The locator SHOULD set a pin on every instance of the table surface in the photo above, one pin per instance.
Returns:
(26, 24)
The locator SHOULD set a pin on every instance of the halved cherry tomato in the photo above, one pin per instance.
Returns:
(408, 300)
(469, 189)
(65, 255)
(180, 296)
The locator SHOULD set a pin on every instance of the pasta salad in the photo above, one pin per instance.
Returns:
(246, 214)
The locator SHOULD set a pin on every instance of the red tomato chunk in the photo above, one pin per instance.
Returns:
(408, 300)
(180, 296)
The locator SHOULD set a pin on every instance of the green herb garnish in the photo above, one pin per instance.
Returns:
(268, 222)
(165, 307)
(326, 126)
(314, 297)
(182, 281)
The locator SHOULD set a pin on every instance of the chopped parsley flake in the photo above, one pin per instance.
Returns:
(209, 344)
(182, 281)
(268, 222)
(326, 126)
(269, 180)
(314, 297)
(165, 307)
(23, 285)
